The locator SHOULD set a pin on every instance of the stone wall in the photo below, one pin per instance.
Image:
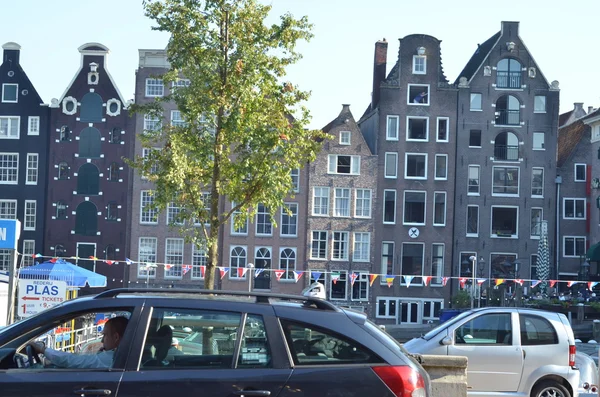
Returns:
(448, 374)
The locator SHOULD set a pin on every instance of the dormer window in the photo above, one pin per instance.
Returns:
(10, 93)
(419, 64)
(344, 137)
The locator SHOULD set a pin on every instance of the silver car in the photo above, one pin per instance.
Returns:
(513, 352)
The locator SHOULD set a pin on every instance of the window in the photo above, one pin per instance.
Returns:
(475, 138)
(91, 108)
(387, 259)
(473, 186)
(341, 202)
(439, 209)
(86, 219)
(340, 246)
(386, 307)
(63, 171)
(475, 102)
(412, 259)
(392, 128)
(263, 221)
(537, 182)
(236, 227)
(362, 206)
(539, 104)
(414, 208)
(486, 329)
(472, 221)
(173, 257)
(115, 135)
(437, 263)
(417, 129)
(33, 125)
(148, 214)
(506, 181)
(441, 167)
(506, 147)
(263, 260)
(320, 201)
(362, 247)
(508, 73)
(360, 288)
(574, 208)
(337, 285)
(287, 263)
(149, 157)
(295, 175)
(538, 141)
(147, 250)
(109, 252)
(173, 214)
(199, 259)
(391, 165)
(32, 169)
(154, 87)
(113, 172)
(61, 210)
(177, 119)
(10, 93)
(580, 172)
(345, 137)
(508, 110)
(60, 250)
(443, 125)
(30, 211)
(419, 64)
(112, 211)
(318, 245)
(415, 166)
(389, 206)
(88, 179)
(180, 83)
(537, 215)
(151, 123)
(9, 127)
(339, 164)
(536, 330)
(5, 260)
(505, 221)
(237, 260)
(9, 168)
(28, 252)
(90, 142)
(418, 94)
(289, 221)
(65, 134)
(573, 246)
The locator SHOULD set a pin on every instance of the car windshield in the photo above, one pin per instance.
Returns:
(445, 325)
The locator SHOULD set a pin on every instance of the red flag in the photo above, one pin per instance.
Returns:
(223, 271)
(552, 282)
(372, 278)
(168, 267)
(53, 260)
(462, 281)
(241, 271)
(353, 277)
(444, 281)
(109, 262)
(519, 281)
(426, 280)
(279, 273)
(202, 270)
(186, 268)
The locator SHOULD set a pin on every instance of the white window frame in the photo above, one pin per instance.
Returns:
(33, 125)
(437, 129)
(30, 215)
(437, 281)
(267, 223)
(575, 238)
(284, 278)
(294, 209)
(535, 102)
(406, 157)
(16, 93)
(33, 161)
(478, 167)
(543, 135)
(28, 252)
(319, 241)
(10, 120)
(445, 208)
(233, 275)
(7, 170)
(199, 258)
(474, 95)
(344, 242)
(180, 83)
(361, 250)
(321, 189)
(408, 119)
(179, 121)
(518, 181)
(543, 181)
(149, 271)
(409, 100)
(395, 205)
(150, 199)
(424, 208)
(343, 278)
(151, 123)
(493, 235)
(392, 135)
(363, 278)
(156, 85)
(467, 234)
(243, 231)
(332, 164)
(391, 172)
(177, 267)
(345, 137)
(424, 259)
(532, 235)
(575, 200)
(383, 271)
(362, 206)
(415, 70)
(345, 194)
(387, 300)
(584, 172)
(295, 175)
(10, 205)
(435, 174)
(173, 211)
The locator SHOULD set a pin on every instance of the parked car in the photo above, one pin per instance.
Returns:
(251, 344)
(513, 352)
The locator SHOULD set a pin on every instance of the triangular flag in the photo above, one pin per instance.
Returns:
(128, 261)
(241, 271)
(186, 268)
(426, 280)
(499, 281)
(202, 270)
(168, 266)
(279, 273)
(297, 275)
(519, 281)
(372, 278)
(408, 280)
(462, 281)
(316, 275)
(353, 277)
(53, 260)
(335, 277)
(592, 284)
(257, 272)
(109, 262)
(389, 280)
(480, 281)
(223, 271)
(571, 283)
(93, 258)
(552, 283)
(444, 281)
(75, 258)
(37, 255)
(535, 283)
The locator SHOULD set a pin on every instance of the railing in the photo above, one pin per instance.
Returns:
(506, 152)
(508, 117)
(71, 340)
(508, 79)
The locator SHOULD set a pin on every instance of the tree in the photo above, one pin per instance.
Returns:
(243, 128)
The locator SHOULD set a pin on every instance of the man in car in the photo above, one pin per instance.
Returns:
(111, 338)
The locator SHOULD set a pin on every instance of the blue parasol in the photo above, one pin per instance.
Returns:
(61, 270)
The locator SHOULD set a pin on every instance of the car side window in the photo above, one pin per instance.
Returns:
(310, 345)
(536, 330)
(487, 329)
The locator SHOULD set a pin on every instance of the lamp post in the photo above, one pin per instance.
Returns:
(480, 274)
(249, 266)
(473, 259)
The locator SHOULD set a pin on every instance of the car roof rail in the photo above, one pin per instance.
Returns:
(261, 297)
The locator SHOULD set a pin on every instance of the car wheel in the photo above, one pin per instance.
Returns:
(550, 389)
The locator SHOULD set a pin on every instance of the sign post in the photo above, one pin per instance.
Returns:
(10, 230)
(38, 295)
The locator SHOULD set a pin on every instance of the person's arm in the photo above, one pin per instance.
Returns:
(70, 360)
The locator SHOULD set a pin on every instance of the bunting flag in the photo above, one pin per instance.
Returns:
(408, 280)
(297, 275)
(535, 283)
(279, 273)
(353, 277)
(168, 266)
(389, 280)
(37, 256)
(372, 278)
(571, 283)
(499, 281)
(109, 262)
(186, 268)
(202, 270)
(552, 282)
(241, 271)
(592, 284)
(316, 275)
(93, 258)
(335, 277)
(223, 271)
(53, 260)
(480, 281)
(128, 261)
(426, 280)
(257, 272)
(519, 281)
(75, 258)
(462, 281)
(444, 281)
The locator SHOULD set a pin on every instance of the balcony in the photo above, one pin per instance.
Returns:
(508, 79)
(508, 117)
(506, 152)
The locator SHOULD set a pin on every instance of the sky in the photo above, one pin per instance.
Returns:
(337, 64)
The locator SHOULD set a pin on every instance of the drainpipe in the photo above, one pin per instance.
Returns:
(558, 182)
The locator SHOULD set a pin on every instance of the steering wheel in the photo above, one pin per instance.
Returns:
(32, 357)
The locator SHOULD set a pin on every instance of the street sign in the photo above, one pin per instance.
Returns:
(38, 295)
(10, 229)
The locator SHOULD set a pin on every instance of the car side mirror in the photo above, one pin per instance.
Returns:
(446, 341)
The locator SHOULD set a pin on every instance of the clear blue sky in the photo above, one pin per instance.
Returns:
(337, 64)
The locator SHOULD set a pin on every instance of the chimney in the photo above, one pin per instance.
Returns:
(11, 53)
(578, 105)
(510, 29)
(379, 69)
(590, 109)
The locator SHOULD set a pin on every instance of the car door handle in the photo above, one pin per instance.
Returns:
(252, 393)
(93, 392)
(524, 354)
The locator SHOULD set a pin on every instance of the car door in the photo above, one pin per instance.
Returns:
(227, 352)
(495, 359)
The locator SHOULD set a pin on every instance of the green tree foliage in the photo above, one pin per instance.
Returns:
(244, 128)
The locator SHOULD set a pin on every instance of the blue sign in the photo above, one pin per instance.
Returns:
(10, 230)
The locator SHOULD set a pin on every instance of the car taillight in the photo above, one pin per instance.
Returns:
(403, 381)
(572, 351)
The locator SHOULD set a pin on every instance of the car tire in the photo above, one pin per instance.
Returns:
(550, 389)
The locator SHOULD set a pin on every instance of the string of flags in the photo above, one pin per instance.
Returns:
(335, 275)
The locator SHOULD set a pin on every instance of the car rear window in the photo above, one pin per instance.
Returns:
(536, 330)
(311, 345)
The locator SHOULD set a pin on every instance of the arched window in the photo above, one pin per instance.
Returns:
(115, 135)
(91, 108)
(237, 260)
(88, 179)
(287, 262)
(508, 110)
(506, 147)
(262, 260)
(110, 252)
(65, 133)
(60, 250)
(61, 210)
(508, 73)
(86, 220)
(113, 172)
(63, 170)
(90, 142)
